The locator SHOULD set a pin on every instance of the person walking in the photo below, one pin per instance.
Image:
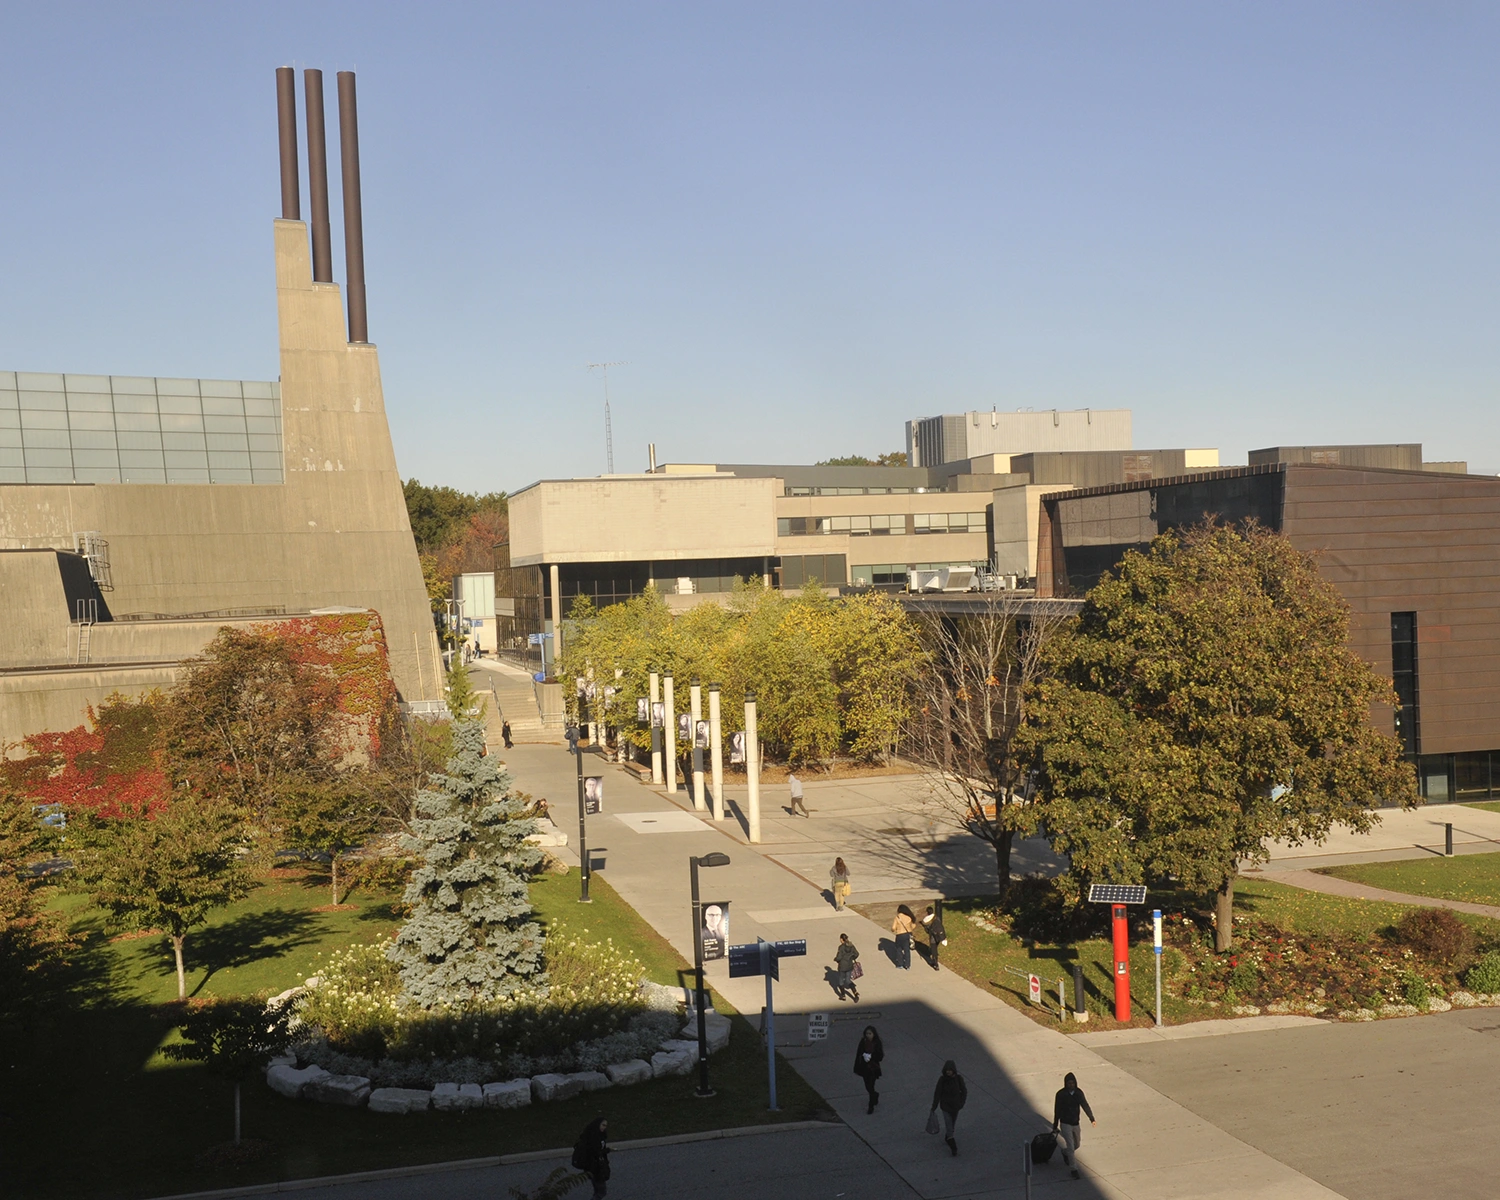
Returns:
(950, 1095)
(846, 960)
(932, 922)
(839, 878)
(505, 732)
(794, 786)
(591, 1155)
(867, 1056)
(1065, 1120)
(902, 927)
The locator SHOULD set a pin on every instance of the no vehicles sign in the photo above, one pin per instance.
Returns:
(817, 1027)
(1035, 987)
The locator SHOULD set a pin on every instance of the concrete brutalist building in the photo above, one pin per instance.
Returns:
(139, 515)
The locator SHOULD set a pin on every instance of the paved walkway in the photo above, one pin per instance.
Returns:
(1333, 886)
(1145, 1145)
(1400, 834)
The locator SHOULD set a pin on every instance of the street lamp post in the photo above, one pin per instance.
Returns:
(583, 832)
(694, 862)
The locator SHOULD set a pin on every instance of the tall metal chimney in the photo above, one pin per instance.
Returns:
(286, 119)
(354, 233)
(317, 178)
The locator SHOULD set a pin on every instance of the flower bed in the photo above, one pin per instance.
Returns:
(593, 1023)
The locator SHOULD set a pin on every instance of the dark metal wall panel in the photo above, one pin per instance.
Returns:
(1430, 544)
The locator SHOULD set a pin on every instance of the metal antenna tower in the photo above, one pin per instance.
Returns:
(609, 433)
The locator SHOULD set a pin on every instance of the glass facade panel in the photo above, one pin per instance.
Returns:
(1471, 776)
(1404, 679)
(129, 429)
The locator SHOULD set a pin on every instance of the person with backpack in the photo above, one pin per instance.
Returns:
(1065, 1120)
(794, 789)
(950, 1095)
(932, 922)
(591, 1155)
(902, 927)
(867, 1056)
(846, 960)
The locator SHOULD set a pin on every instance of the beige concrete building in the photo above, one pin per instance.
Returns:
(692, 529)
(137, 516)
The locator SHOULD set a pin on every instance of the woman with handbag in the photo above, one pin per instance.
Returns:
(846, 960)
(950, 1095)
(867, 1056)
(839, 877)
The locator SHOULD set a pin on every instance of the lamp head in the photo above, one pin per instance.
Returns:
(716, 859)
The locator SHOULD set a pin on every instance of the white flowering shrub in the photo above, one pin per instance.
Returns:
(360, 1021)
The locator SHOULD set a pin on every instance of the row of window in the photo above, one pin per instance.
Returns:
(861, 526)
(878, 574)
(851, 491)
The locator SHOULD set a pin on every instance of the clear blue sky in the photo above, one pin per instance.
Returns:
(800, 223)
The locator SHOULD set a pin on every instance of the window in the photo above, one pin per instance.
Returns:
(1404, 678)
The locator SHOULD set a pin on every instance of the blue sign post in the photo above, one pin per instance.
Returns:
(761, 958)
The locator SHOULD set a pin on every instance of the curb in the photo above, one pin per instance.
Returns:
(500, 1160)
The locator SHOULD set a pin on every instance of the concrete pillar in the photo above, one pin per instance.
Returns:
(655, 737)
(752, 765)
(556, 623)
(670, 733)
(696, 697)
(716, 750)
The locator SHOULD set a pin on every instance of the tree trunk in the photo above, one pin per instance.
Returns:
(236, 1112)
(1224, 916)
(334, 870)
(177, 941)
(1002, 859)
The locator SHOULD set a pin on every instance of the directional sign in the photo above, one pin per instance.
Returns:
(745, 960)
(817, 1027)
(1117, 893)
(790, 949)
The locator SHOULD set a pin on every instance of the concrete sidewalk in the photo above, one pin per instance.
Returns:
(1145, 1145)
(1400, 834)
(1332, 886)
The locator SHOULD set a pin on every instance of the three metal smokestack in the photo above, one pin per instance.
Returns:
(317, 183)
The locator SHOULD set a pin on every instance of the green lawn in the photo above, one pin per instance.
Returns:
(136, 1125)
(1000, 963)
(1471, 877)
(1487, 805)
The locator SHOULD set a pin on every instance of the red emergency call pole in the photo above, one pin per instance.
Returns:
(1122, 964)
(1117, 896)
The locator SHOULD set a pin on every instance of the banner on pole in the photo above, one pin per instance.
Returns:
(714, 936)
(593, 795)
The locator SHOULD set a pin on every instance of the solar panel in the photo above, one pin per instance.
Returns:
(1117, 893)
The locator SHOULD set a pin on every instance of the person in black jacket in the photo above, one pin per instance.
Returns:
(591, 1155)
(1065, 1118)
(937, 936)
(867, 1056)
(950, 1095)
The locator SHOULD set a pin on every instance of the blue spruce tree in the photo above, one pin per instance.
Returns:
(470, 938)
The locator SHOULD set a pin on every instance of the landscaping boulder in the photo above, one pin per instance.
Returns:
(715, 1026)
(282, 1060)
(673, 1045)
(552, 1086)
(348, 1090)
(513, 1093)
(547, 834)
(637, 1070)
(672, 1062)
(592, 1080)
(289, 1081)
(450, 1097)
(400, 1100)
